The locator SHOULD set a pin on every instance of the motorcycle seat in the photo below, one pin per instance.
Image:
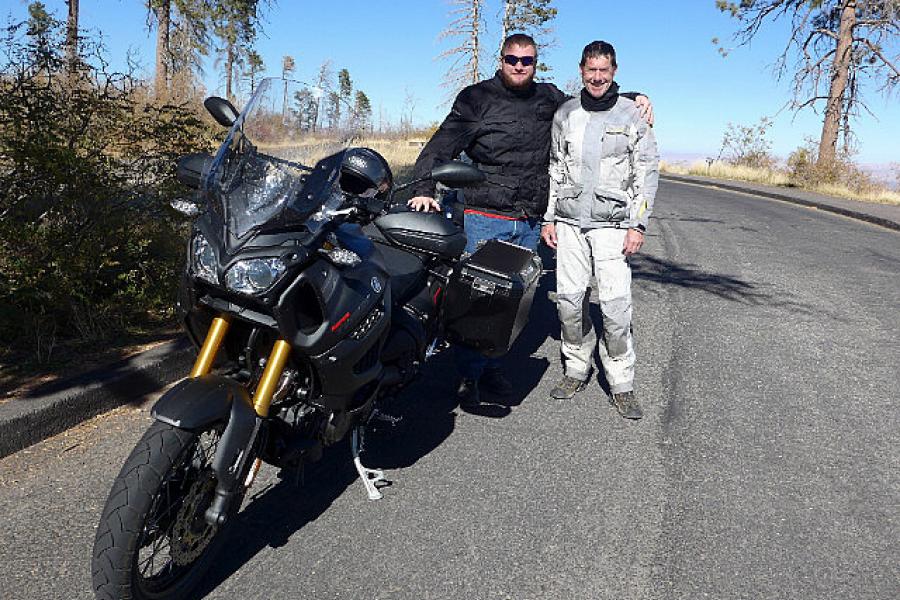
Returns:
(426, 232)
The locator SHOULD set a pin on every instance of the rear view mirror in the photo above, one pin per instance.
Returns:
(221, 110)
(455, 174)
(191, 168)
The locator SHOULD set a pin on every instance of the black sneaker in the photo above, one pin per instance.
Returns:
(493, 381)
(467, 392)
(566, 388)
(627, 405)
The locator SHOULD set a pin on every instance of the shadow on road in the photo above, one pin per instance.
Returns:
(274, 514)
(667, 273)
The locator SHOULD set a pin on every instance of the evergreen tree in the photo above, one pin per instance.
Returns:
(833, 48)
(235, 24)
(531, 17)
(362, 111)
(467, 26)
(255, 67)
(72, 37)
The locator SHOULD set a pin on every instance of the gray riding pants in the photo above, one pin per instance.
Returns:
(580, 254)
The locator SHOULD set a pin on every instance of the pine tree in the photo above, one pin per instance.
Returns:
(833, 48)
(362, 111)
(255, 67)
(467, 25)
(236, 24)
(531, 17)
(72, 38)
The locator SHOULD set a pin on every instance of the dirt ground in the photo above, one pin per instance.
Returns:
(19, 375)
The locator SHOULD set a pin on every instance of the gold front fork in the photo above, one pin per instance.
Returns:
(210, 348)
(262, 399)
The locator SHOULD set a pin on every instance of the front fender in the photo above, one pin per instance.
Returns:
(195, 403)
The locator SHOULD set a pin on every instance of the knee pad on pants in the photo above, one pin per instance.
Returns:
(616, 325)
(574, 319)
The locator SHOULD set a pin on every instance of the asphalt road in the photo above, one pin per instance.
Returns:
(767, 465)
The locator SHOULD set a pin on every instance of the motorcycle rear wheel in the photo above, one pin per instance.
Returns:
(152, 541)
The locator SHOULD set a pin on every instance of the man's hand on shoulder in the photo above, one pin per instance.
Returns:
(424, 203)
(646, 108)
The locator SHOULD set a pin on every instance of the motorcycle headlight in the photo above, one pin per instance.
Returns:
(253, 275)
(203, 260)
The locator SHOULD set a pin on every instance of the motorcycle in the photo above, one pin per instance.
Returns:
(310, 300)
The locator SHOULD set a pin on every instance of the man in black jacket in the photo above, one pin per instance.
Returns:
(503, 125)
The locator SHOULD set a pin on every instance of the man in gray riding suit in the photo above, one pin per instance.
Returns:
(604, 171)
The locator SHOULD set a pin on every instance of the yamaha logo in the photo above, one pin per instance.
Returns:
(376, 285)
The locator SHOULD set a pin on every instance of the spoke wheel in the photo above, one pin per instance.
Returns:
(152, 541)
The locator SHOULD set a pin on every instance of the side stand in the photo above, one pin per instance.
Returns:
(369, 477)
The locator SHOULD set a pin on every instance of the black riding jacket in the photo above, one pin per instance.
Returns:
(506, 133)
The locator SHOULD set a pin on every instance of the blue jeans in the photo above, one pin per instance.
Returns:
(470, 363)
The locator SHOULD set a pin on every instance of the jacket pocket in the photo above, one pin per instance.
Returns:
(609, 205)
(615, 175)
(567, 201)
(615, 141)
(499, 192)
(545, 111)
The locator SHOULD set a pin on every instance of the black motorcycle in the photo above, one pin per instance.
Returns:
(310, 301)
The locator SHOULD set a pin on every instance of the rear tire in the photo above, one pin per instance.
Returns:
(152, 541)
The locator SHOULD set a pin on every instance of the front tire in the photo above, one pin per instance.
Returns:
(152, 541)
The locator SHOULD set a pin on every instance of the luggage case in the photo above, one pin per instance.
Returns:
(489, 297)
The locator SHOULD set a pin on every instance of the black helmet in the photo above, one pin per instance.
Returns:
(364, 172)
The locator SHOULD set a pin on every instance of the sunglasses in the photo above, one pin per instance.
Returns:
(512, 60)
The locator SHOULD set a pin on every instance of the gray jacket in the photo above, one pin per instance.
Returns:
(604, 167)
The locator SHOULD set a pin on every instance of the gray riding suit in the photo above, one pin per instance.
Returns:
(603, 180)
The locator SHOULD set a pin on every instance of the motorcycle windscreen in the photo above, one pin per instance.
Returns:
(259, 177)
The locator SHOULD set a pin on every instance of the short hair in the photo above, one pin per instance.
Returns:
(596, 49)
(518, 39)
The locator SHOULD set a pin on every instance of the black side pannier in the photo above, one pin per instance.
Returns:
(490, 295)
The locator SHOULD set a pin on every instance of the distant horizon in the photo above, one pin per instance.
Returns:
(391, 56)
(886, 173)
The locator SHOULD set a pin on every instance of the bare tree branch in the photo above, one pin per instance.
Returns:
(832, 48)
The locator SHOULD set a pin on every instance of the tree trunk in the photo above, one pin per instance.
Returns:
(507, 16)
(476, 20)
(840, 72)
(72, 38)
(162, 49)
(229, 69)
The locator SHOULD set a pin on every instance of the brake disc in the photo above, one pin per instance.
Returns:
(191, 533)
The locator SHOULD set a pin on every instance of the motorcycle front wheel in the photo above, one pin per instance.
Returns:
(152, 541)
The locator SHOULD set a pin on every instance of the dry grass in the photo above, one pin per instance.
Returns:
(398, 153)
(779, 178)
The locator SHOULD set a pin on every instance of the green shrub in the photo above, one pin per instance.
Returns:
(88, 243)
(805, 171)
(747, 146)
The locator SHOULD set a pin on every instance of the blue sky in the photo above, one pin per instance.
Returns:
(664, 49)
